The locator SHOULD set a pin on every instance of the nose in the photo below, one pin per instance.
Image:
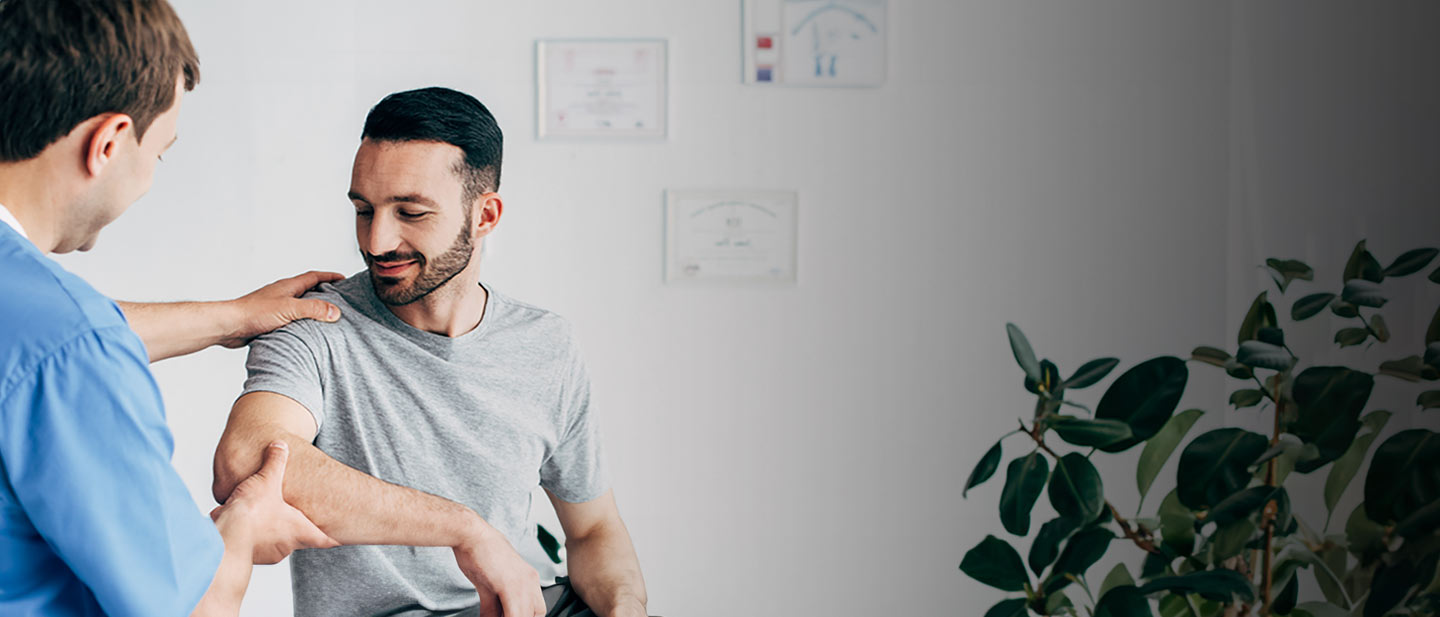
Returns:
(383, 234)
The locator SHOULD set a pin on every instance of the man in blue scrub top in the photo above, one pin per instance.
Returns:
(93, 518)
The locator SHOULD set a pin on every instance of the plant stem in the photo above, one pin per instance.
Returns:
(1268, 518)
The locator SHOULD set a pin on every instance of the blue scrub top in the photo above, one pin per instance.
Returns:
(93, 518)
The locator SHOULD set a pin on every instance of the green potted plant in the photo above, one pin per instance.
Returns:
(1226, 541)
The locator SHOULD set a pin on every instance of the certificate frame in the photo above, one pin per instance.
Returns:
(648, 116)
(767, 220)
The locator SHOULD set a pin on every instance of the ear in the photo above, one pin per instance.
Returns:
(488, 208)
(105, 142)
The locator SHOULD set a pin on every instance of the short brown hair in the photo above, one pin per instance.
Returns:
(63, 62)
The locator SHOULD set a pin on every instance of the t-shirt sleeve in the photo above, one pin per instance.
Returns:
(287, 362)
(575, 470)
(87, 454)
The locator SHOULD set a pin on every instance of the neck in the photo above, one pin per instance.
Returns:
(30, 190)
(454, 309)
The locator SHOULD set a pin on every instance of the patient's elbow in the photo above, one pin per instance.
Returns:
(234, 462)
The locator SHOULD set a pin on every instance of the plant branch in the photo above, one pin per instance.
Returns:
(1267, 520)
(1141, 537)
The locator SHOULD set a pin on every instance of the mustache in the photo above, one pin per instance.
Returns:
(394, 256)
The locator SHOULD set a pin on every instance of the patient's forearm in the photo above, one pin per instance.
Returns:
(606, 572)
(348, 505)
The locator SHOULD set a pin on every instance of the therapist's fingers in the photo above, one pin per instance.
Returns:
(319, 310)
(273, 469)
(299, 284)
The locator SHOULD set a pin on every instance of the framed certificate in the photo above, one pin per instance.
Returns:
(598, 88)
(734, 237)
(837, 43)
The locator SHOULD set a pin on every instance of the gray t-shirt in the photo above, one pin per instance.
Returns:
(479, 419)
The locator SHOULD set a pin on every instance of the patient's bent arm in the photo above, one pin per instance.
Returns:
(348, 505)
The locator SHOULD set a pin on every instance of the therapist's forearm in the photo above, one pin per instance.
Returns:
(227, 589)
(606, 572)
(177, 328)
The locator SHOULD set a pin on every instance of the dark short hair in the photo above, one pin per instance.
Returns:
(446, 116)
(63, 62)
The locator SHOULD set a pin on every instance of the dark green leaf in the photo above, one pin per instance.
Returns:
(1238, 370)
(1091, 373)
(1075, 488)
(1429, 399)
(1391, 584)
(1210, 355)
(1289, 594)
(1382, 331)
(1328, 402)
(1159, 448)
(1263, 355)
(1272, 336)
(1344, 309)
(1408, 369)
(1046, 546)
(1350, 337)
(1229, 540)
(1366, 538)
(1144, 397)
(1432, 333)
(1432, 355)
(1332, 557)
(1177, 525)
(985, 468)
(1214, 466)
(1217, 585)
(1435, 276)
(1362, 265)
(1420, 522)
(1411, 262)
(1404, 476)
(1024, 480)
(1273, 452)
(1024, 355)
(1049, 376)
(1090, 433)
(1246, 398)
(1240, 505)
(1363, 293)
(1014, 607)
(1310, 306)
(1260, 315)
(1290, 270)
(1082, 551)
(1345, 469)
(994, 562)
(549, 543)
(1119, 575)
(1056, 602)
(1123, 601)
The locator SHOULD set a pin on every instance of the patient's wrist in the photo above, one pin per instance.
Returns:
(470, 530)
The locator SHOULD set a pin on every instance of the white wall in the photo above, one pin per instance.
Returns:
(1065, 166)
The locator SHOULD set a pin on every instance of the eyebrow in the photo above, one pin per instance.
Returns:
(414, 198)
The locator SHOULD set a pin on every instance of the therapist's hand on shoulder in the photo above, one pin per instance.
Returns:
(277, 304)
(275, 527)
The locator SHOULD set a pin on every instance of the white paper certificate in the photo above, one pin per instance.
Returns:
(746, 237)
(601, 88)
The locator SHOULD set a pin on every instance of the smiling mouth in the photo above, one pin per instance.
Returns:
(391, 269)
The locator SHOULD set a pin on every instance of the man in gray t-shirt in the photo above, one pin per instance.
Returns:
(421, 422)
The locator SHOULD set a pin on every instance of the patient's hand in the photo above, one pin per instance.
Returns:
(501, 577)
(276, 528)
(275, 305)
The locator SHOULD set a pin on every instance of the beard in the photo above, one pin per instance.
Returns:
(433, 273)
